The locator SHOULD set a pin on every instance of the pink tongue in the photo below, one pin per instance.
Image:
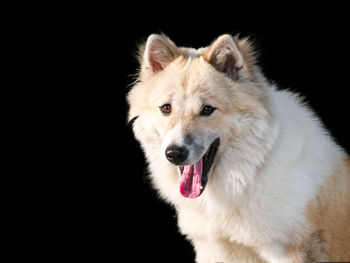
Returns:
(190, 182)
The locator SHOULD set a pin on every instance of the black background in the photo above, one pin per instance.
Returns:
(112, 210)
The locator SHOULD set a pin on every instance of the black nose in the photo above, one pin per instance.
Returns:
(176, 154)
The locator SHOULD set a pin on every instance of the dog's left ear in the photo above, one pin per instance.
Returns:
(225, 54)
(156, 54)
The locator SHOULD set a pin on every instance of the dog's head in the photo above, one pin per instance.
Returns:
(191, 104)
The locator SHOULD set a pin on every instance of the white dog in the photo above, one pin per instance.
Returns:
(251, 170)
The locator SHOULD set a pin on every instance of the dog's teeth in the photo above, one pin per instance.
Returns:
(201, 187)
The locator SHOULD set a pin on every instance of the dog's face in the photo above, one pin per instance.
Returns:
(190, 103)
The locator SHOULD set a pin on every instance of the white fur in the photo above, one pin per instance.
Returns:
(242, 211)
(259, 187)
(172, 137)
(192, 53)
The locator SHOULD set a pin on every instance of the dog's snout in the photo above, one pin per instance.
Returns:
(176, 154)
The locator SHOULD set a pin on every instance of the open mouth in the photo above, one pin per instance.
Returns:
(195, 177)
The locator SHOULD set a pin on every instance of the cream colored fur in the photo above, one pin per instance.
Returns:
(278, 176)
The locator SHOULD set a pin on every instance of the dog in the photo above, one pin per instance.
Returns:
(251, 170)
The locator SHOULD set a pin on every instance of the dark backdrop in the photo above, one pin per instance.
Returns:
(115, 212)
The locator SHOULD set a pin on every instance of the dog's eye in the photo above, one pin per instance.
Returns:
(166, 109)
(207, 110)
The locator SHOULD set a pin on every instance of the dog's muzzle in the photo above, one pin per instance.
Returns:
(175, 154)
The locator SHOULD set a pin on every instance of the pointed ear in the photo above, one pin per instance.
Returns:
(225, 56)
(156, 54)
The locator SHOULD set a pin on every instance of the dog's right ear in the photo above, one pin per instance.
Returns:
(156, 54)
(232, 56)
(225, 56)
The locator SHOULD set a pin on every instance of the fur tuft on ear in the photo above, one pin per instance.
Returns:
(248, 52)
(156, 54)
(231, 56)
